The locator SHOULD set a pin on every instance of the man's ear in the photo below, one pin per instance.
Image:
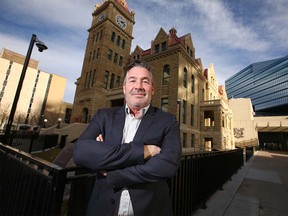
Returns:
(124, 89)
(153, 89)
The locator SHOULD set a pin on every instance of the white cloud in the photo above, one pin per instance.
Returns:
(222, 28)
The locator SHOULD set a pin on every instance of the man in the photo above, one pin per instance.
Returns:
(134, 150)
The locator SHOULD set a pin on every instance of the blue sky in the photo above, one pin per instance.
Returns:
(231, 34)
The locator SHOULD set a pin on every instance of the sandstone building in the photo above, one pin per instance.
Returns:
(184, 87)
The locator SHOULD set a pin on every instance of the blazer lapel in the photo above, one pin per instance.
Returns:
(145, 123)
(118, 124)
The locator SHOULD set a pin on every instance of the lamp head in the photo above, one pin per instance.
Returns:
(41, 46)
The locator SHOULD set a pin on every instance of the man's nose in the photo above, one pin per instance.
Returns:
(139, 84)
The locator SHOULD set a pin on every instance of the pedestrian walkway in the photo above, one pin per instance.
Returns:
(259, 188)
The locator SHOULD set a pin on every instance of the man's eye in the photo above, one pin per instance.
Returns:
(145, 81)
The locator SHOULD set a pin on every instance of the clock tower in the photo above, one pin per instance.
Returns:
(107, 52)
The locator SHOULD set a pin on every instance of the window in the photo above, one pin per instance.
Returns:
(110, 53)
(166, 75)
(118, 81)
(86, 79)
(113, 36)
(192, 140)
(184, 112)
(157, 48)
(118, 40)
(193, 84)
(97, 36)
(89, 79)
(98, 51)
(184, 141)
(106, 79)
(192, 115)
(163, 46)
(93, 39)
(121, 61)
(185, 77)
(93, 57)
(116, 58)
(112, 80)
(93, 77)
(101, 34)
(164, 104)
(90, 56)
(123, 44)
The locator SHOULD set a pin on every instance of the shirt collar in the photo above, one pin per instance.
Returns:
(143, 110)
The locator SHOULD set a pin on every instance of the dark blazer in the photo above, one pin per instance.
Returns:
(125, 164)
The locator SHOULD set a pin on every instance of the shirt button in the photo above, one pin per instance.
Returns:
(112, 201)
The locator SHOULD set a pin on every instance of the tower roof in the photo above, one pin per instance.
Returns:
(123, 3)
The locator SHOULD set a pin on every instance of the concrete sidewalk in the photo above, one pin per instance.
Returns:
(259, 188)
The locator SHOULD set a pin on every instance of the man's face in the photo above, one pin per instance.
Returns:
(138, 88)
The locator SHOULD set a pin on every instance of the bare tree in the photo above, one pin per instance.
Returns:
(4, 114)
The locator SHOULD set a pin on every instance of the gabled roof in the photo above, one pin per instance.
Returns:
(173, 39)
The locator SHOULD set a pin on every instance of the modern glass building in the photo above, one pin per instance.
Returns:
(266, 83)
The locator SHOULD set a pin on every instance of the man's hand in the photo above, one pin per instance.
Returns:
(150, 151)
(100, 138)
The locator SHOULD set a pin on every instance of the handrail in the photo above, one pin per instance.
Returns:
(32, 186)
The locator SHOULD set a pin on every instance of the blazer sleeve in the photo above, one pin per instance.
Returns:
(160, 167)
(104, 155)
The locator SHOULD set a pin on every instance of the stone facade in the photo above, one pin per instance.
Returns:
(183, 87)
(107, 52)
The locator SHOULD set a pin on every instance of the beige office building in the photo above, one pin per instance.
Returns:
(184, 87)
(41, 95)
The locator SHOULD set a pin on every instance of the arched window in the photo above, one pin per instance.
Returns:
(113, 36)
(118, 40)
(185, 72)
(84, 115)
(166, 75)
(193, 83)
(123, 44)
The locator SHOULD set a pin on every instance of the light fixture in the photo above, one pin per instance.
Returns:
(41, 46)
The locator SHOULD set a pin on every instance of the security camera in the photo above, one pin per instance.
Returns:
(41, 46)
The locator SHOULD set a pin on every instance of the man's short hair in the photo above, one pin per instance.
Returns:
(139, 63)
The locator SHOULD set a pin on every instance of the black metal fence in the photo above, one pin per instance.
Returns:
(31, 141)
(29, 186)
(200, 176)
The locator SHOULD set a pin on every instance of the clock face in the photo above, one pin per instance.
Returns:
(101, 16)
(120, 20)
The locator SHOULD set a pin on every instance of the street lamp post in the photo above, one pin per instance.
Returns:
(45, 123)
(41, 46)
(59, 123)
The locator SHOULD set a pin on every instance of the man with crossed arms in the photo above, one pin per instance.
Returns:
(134, 149)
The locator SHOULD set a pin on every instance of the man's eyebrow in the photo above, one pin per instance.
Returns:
(142, 78)
(132, 77)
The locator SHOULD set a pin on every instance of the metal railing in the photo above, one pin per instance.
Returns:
(29, 186)
(200, 176)
(31, 141)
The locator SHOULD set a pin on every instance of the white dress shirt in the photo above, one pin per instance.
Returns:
(130, 128)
